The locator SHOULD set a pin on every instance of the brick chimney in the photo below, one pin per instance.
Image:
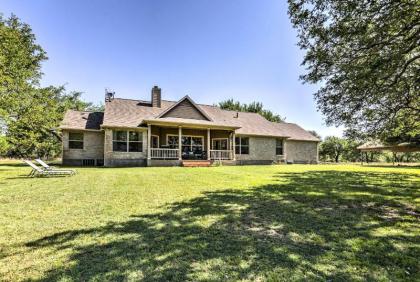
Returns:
(156, 97)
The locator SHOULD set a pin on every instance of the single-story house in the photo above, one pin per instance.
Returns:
(167, 133)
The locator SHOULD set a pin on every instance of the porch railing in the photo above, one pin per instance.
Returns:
(164, 153)
(220, 154)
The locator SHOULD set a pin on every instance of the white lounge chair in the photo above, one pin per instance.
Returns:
(37, 171)
(47, 167)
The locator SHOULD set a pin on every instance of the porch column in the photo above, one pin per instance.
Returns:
(180, 143)
(233, 146)
(149, 139)
(208, 143)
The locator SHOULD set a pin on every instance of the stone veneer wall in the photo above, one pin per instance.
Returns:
(301, 151)
(262, 150)
(93, 148)
(112, 159)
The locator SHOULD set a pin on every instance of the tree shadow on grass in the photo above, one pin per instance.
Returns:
(320, 225)
(399, 165)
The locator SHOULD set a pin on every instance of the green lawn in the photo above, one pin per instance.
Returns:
(274, 223)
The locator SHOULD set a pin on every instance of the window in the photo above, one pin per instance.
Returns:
(242, 145)
(119, 141)
(155, 141)
(189, 143)
(135, 141)
(172, 141)
(127, 141)
(75, 140)
(220, 143)
(279, 146)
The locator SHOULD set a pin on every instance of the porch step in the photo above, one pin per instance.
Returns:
(196, 163)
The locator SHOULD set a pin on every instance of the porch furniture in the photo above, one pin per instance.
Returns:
(37, 171)
(47, 167)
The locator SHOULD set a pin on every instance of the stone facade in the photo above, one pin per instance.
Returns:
(262, 150)
(301, 151)
(92, 152)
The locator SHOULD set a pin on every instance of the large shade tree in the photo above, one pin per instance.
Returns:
(365, 55)
(29, 113)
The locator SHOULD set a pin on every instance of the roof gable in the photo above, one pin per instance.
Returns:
(186, 109)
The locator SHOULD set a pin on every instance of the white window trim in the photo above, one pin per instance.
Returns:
(282, 146)
(128, 141)
(83, 141)
(195, 136)
(215, 139)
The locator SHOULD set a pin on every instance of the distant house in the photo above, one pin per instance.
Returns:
(165, 133)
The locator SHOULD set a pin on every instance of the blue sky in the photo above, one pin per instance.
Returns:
(209, 49)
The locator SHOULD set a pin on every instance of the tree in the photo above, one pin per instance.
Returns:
(31, 131)
(96, 108)
(351, 153)
(4, 146)
(29, 114)
(254, 107)
(332, 147)
(20, 63)
(366, 57)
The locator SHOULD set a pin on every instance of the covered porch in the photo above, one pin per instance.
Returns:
(189, 142)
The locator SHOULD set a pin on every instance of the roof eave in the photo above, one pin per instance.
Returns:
(78, 129)
(262, 135)
(306, 140)
(105, 126)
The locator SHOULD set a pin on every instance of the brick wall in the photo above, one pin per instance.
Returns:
(301, 151)
(93, 147)
(262, 150)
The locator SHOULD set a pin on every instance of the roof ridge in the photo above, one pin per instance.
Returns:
(198, 104)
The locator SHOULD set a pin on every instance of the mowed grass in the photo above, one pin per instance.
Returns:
(248, 223)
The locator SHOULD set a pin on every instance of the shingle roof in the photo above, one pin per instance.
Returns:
(376, 145)
(82, 120)
(134, 113)
(295, 132)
